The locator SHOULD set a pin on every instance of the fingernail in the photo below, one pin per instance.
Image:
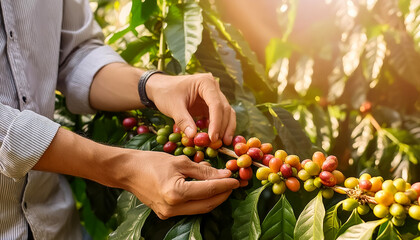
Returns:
(189, 132)
(225, 172)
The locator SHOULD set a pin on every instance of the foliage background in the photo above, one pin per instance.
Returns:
(330, 59)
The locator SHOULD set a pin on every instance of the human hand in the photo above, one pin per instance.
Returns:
(182, 97)
(158, 180)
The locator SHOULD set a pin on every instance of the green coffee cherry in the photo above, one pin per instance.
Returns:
(175, 137)
(161, 139)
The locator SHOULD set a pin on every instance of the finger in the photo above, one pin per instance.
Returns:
(210, 94)
(230, 129)
(203, 172)
(196, 190)
(185, 122)
(195, 206)
(227, 110)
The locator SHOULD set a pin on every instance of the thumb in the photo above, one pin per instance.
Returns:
(204, 172)
(185, 122)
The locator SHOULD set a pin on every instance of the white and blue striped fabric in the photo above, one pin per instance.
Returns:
(44, 45)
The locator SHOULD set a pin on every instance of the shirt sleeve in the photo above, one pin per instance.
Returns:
(25, 137)
(82, 55)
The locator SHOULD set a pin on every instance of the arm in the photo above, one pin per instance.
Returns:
(159, 184)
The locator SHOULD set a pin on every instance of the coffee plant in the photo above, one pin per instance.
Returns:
(338, 96)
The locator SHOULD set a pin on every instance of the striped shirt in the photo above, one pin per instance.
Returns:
(44, 45)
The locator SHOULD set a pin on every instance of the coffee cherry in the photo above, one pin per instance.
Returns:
(163, 132)
(188, 142)
(388, 186)
(255, 153)
(245, 173)
(303, 175)
(202, 123)
(365, 107)
(416, 187)
(317, 182)
(380, 211)
(376, 184)
(411, 194)
(339, 176)
(302, 164)
(266, 148)
(309, 186)
(176, 129)
(217, 144)
(129, 123)
(275, 164)
(161, 139)
(312, 168)
(169, 147)
(414, 212)
(262, 173)
(142, 129)
(280, 154)
(175, 137)
(365, 176)
(266, 159)
(238, 139)
(384, 197)
(233, 166)
(199, 156)
(286, 170)
(327, 179)
(253, 142)
(365, 184)
(399, 184)
(279, 188)
(189, 151)
(398, 222)
(329, 165)
(179, 151)
(211, 153)
(363, 209)
(397, 210)
(292, 184)
(327, 193)
(401, 198)
(240, 148)
(273, 178)
(202, 139)
(318, 158)
(293, 161)
(332, 157)
(349, 204)
(244, 161)
(351, 182)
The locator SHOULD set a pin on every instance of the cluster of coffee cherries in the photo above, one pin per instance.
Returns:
(392, 198)
(130, 123)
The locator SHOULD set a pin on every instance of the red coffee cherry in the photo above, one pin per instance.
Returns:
(255, 153)
(202, 139)
(238, 139)
(129, 123)
(266, 159)
(142, 129)
(286, 170)
(232, 165)
(170, 147)
(245, 173)
(240, 148)
(327, 179)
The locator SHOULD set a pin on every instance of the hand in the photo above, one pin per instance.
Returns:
(182, 97)
(158, 180)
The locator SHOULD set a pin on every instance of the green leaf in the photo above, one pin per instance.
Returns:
(186, 229)
(132, 225)
(374, 58)
(354, 219)
(387, 231)
(332, 222)
(362, 231)
(183, 30)
(126, 201)
(141, 141)
(279, 222)
(290, 132)
(141, 11)
(246, 222)
(258, 125)
(119, 35)
(310, 222)
(138, 48)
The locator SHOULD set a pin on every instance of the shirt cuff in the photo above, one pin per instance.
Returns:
(82, 76)
(27, 138)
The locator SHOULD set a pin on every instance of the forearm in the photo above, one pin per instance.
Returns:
(74, 155)
(114, 88)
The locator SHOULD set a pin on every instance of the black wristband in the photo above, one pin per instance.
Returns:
(142, 88)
